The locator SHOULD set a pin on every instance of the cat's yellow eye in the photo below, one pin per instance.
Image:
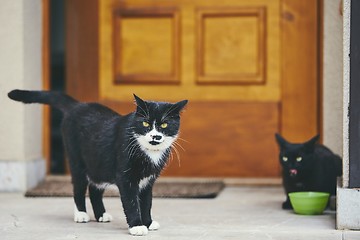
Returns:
(146, 124)
(285, 159)
(164, 125)
(298, 159)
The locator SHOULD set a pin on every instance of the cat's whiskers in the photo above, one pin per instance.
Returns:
(171, 157)
(133, 146)
(177, 155)
(178, 144)
(133, 150)
(130, 135)
(130, 144)
(183, 139)
(129, 132)
(174, 149)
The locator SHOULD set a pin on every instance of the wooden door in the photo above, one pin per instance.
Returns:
(235, 60)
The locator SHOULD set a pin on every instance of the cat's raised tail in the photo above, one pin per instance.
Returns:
(58, 100)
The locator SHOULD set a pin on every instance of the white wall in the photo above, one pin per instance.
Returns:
(332, 75)
(21, 162)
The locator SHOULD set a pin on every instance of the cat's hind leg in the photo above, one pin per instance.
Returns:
(96, 195)
(80, 184)
(78, 175)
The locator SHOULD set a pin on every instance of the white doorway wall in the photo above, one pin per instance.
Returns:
(21, 163)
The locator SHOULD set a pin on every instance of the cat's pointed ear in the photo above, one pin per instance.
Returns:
(138, 100)
(179, 106)
(281, 141)
(141, 106)
(311, 143)
(176, 108)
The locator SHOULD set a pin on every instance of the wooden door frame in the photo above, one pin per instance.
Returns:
(292, 109)
(46, 81)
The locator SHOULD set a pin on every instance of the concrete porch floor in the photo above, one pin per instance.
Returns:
(237, 213)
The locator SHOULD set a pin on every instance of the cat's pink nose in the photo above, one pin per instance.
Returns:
(293, 172)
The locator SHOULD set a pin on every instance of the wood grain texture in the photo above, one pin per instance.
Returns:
(231, 45)
(242, 64)
(82, 49)
(151, 59)
(300, 69)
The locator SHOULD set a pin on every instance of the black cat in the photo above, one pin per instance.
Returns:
(308, 167)
(105, 148)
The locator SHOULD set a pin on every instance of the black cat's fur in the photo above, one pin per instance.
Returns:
(307, 166)
(104, 148)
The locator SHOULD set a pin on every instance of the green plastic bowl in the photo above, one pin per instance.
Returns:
(309, 203)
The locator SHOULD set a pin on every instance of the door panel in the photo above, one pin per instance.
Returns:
(224, 56)
(200, 50)
(145, 60)
(227, 139)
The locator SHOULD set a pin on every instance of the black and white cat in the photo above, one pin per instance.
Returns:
(105, 148)
(307, 166)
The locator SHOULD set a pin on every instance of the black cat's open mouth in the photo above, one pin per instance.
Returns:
(293, 172)
(154, 143)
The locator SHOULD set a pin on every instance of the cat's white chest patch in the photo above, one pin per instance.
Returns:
(144, 182)
(155, 156)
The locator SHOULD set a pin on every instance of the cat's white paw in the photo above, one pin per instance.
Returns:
(81, 217)
(154, 226)
(106, 218)
(138, 230)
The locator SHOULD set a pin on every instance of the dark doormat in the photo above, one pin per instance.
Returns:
(62, 187)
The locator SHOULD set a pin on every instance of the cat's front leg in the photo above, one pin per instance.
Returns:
(129, 193)
(96, 195)
(145, 205)
(287, 204)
